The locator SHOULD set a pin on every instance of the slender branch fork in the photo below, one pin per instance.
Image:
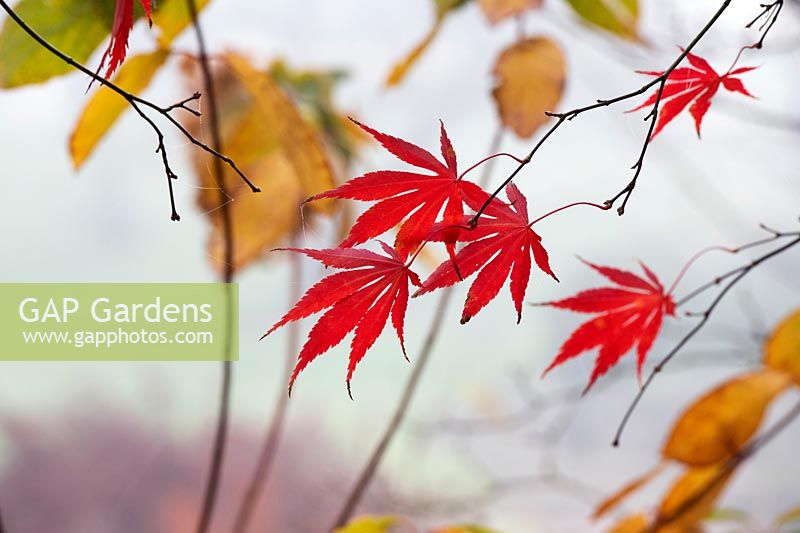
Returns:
(138, 104)
(652, 117)
(732, 277)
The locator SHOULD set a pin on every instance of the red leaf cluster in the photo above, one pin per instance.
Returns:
(695, 85)
(428, 204)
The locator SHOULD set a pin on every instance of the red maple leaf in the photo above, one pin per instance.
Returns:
(123, 23)
(697, 83)
(631, 315)
(412, 200)
(500, 246)
(361, 297)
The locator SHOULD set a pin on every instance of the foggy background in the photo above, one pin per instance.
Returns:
(110, 223)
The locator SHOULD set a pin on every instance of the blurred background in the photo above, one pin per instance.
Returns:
(123, 447)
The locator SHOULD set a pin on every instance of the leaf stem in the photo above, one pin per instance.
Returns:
(603, 207)
(488, 158)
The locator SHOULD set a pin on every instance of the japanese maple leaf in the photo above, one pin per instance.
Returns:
(630, 315)
(412, 200)
(118, 45)
(501, 246)
(361, 297)
(695, 85)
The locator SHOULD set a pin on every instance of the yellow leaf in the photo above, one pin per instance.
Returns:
(530, 79)
(298, 141)
(782, 350)
(719, 424)
(464, 529)
(76, 27)
(792, 515)
(498, 10)
(172, 17)
(617, 16)
(369, 524)
(691, 498)
(260, 221)
(106, 106)
(632, 524)
(443, 9)
(618, 497)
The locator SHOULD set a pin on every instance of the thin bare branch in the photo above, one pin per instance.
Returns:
(561, 118)
(138, 104)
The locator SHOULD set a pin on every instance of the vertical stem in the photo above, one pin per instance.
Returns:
(275, 427)
(218, 450)
(494, 147)
(363, 481)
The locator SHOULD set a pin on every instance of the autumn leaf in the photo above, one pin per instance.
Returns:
(172, 17)
(76, 27)
(630, 315)
(442, 8)
(691, 498)
(117, 47)
(106, 106)
(716, 427)
(370, 524)
(628, 489)
(299, 141)
(464, 529)
(370, 287)
(782, 349)
(696, 85)
(411, 200)
(530, 77)
(631, 524)
(501, 246)
(251, 134)
(499, 10)
(620, 17)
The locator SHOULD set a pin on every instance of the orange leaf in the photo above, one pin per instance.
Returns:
(782, 350)
(530, 77)
(498, 10)
(691, 498)
(631, 487)
(720, 423)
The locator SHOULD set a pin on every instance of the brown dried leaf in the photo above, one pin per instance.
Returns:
(530, 78)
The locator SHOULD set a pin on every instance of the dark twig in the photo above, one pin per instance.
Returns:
(138, 103)
(561, 118)
(735, 276)
(220, 437)
(364, 479)
(275, 428)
